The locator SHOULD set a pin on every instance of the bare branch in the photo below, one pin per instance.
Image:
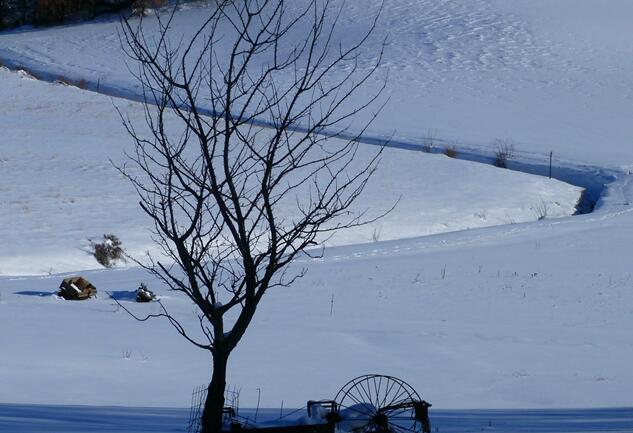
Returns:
(249, 117)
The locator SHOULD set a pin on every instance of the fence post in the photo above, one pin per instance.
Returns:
(550, 164)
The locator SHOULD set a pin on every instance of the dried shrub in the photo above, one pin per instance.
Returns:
(540, 210)
(451, 152)
(109, 251)
(81, 83)
(504, 152)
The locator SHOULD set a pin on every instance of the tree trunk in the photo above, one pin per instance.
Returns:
(214, 404)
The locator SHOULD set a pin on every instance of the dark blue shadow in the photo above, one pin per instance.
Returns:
(34, 293)
(123, 295)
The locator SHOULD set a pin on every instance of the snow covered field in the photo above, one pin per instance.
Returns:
(60, 186)
(522, 314)
(552, 75)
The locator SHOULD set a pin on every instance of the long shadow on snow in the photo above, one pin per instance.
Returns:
(34, 293)
(26, 418)
(123, 295)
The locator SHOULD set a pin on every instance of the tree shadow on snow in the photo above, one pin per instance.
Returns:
(123, 295)
(34, 293)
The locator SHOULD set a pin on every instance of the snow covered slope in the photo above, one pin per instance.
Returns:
(552, 75)
(517, 316)
(527, 315)
(60, 186)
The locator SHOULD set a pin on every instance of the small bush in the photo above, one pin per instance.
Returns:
(81, 83)
(451, 152)
(63, 81)
(540, 210)
(504, 152)
(376, 234)
(109, 251)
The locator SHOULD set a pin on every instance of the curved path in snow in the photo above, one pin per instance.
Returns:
(446, 56)
(606, 187)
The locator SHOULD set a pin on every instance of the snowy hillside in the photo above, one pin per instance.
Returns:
(518, 316)
(61, 186)
(465, 290)
(552, 75)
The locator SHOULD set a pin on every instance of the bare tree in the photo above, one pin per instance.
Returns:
(249, 116)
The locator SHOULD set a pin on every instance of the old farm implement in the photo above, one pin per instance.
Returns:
(369, 403)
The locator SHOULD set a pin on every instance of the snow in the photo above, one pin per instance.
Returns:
(62, 188)
(90, 419)
(460, 291)
(527, 315)
(546, 74)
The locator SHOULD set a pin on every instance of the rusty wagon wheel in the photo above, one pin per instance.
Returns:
(381, 404)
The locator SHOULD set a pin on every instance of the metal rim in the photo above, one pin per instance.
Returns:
(386, 402)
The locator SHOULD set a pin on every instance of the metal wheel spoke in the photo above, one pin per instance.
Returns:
(365, 391)
(388, 403)
(382, 403)
(397, 398)
(404, 400)
(378, 391)
(399, 412)
(375, 402)
(356, 408)
(355, 397)
(398, 428)
(360, 392)
(368, 427)
(406, 416)
(356, 400)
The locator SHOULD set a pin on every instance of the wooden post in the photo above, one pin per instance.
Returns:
(550, 164)
(259, 394)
